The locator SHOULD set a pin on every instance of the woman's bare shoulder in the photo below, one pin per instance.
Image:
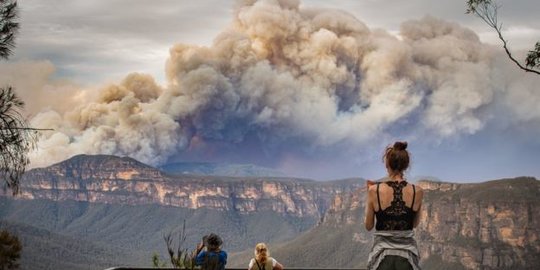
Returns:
(372, 189)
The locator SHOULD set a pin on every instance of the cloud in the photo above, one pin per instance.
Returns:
(97, 41)
(295, 80)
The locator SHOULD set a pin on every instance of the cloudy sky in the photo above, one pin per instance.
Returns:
(83, 51)
(96, 41)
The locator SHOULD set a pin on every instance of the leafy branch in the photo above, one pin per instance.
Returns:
(487, 11)
(16, 139)
(8, 27)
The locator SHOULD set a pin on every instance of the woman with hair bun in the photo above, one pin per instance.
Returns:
(262, 260)
(392, 207)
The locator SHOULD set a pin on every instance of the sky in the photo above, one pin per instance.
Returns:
(313, 88)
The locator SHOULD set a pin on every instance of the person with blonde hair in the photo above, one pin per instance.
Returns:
(395, 205)
(262, 260)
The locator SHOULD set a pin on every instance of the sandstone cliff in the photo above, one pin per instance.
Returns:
(491, 225)
(114, 180)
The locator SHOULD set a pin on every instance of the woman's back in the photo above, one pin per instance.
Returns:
(396, 206)
(267, 265)
(386, 195)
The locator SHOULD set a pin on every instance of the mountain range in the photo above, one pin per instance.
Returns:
(114, 211)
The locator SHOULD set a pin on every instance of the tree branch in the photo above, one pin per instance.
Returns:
(511, 57)
(487, 11)
(29, 129)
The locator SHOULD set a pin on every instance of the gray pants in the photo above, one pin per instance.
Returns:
(394, 263)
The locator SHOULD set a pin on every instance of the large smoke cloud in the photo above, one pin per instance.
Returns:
(283, 77)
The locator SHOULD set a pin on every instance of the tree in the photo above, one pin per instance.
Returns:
(8, 27)
(16, 138)
(487, 11)
(10, 250)
(179, 257)
(156, 261)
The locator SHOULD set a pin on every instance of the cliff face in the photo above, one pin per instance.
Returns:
(491, 225)
(113, 180)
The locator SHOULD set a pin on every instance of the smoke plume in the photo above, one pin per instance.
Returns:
(286, 78)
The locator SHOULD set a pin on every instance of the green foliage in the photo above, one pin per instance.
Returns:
(533, 58)
(179, 256)
(473, 5)
(8, 27)
(10, 250)
(156, 261)
(16, 139)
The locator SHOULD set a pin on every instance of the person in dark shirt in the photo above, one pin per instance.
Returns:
(213, 258)
(395, 205)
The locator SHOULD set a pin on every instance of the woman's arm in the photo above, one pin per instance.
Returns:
(369, 214)
(197, 250)
(276, 265)
(419, 196)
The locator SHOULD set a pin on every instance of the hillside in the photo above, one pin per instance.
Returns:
(43, 249)
(142, 227)
(114, 180)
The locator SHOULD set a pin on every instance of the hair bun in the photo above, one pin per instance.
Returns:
(400, 145)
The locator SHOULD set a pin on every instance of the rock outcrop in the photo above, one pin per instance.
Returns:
(491, 225)
(114, 180)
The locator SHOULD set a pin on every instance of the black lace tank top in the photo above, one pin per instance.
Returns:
(397, 216)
